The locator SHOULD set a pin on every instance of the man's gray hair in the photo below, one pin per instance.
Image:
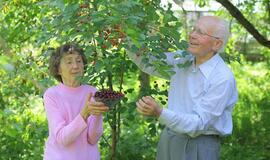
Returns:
(223, 32)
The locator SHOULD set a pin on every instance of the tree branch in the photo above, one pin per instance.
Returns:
(244, 22)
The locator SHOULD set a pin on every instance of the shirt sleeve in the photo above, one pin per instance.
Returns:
(64, 133)
(206, 111)
(95, 128)
(172, 58)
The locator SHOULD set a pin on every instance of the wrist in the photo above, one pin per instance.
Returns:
(84, 114)
(159, 111)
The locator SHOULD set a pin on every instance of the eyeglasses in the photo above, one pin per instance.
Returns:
(199, 32)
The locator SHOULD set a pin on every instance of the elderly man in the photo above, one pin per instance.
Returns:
(201, 96)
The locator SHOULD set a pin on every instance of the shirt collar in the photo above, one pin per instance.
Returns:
(207, 67)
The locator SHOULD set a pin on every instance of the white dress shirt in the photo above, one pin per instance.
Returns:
(200, 99)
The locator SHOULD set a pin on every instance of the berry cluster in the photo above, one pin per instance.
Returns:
(112, 35)
(109, 97)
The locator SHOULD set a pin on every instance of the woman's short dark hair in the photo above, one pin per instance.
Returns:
(57, 55)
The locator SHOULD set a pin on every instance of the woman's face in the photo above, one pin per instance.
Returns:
(71, 67)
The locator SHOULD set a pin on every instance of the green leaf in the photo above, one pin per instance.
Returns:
(185, 64)
(130, 90)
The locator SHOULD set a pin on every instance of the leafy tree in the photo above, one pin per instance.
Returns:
(30, 29)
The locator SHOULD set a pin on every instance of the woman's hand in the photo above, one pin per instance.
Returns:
(148, 106)
(93, 108)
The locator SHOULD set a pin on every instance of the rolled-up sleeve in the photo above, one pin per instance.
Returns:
(95, 128)
(151, 70)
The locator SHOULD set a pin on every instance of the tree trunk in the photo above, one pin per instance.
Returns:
(114, 137)
(144, 79)
(114, 120)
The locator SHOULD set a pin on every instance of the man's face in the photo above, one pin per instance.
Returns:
(202, 42)
(71, 67)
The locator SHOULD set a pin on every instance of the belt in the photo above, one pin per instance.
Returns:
(188, 136)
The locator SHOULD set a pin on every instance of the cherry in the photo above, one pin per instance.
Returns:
(84, 6)
(109, 97)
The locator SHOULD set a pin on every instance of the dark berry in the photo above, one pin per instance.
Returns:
(109, 97)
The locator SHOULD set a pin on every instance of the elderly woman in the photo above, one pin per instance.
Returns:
(74, 119)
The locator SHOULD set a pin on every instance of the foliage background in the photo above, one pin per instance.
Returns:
(31, 28)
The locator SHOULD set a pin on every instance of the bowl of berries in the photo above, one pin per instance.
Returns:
(108, 97)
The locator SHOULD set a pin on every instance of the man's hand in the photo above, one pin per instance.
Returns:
(148, 106)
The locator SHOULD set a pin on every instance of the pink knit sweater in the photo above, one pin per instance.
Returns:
(70, 137)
